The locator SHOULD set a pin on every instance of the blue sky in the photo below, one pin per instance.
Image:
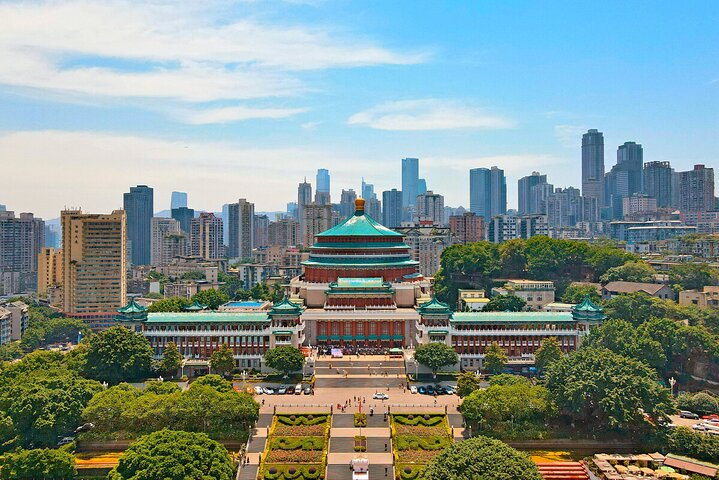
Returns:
(242, 99)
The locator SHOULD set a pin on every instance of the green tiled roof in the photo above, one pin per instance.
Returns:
(207, 317)
(435, 307)
(360, 225)
(512, 317)
(132, 307)
(587, 306)
(285, 307)
(195, 307)
(282, 332)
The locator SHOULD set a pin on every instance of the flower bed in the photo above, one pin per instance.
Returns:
(423, 420)
(412, 442)
(420, 431)
(360, 443)
(417, 456)
(293, 472)
(417, 439)
(306, 419)
(294, 456)
(300, 430)
(297, 443)
(360, 419)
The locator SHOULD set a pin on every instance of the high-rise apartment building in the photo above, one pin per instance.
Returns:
(526, 192)
(430, 208)
(658, 182)
(316, 219)
(94, 261)
(639, 204)
(241, 226)
(696, 190)
(467, 228)
(625, 178)
(161, 227)
(304, 197)
(563, 207)
(21, 239)
(347, 203)
(538, 197)
(262, 231)
(284, 233)
(178, 200)
(49, 272)
(184, 215)
(368, 191)
(410, 181)
(392, 208)
(206, 237)
(502, 228)
(487, 192)
(421, 186)
(138, 205)
(323, 180)
(373, 207)
(593, 165)
(173, 245)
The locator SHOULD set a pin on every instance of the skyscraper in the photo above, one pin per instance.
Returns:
(206, 237)
(373, 207)
(178, 199)
(304, 197)
(487, 192)
(430, 208)
(138, 205)
(316, 219)
(467, 228)
(625, 178)
(657, 180)
(94, 256)
(421, 186)
(410, 181)
(262, 225)
(160, 228)
(593, 164)
(368, 191)
(241, 226)
(527, 203)
(21, 240)
(696, 189)
(347, 203)
(184, 215)
(322, 195)
(392, 208)
(284, 232)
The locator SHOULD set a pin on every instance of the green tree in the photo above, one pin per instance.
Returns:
(637, 308)
(638, 271)
(171, 360)
(172, 304)
(703, 403)
(575, 293)
(507, 379)
(118, 354)
(683, 441)
(53, 330)
(516, 411)
(222, 360)
(473, 265)
(690, 276)
(174, 455)
(548, 353)
(467, 383)
(213, 298)
(436, 355)
(481, 458)
(285, 359)
(162, 388)
(37, 464)
(193, 275)
(601, 390)
(213, 381)
(623, 338)
(10, 351)
(514, 259)
(105, 410)
(494, 359)
(505, 303)
(231, 284)
(606, 255)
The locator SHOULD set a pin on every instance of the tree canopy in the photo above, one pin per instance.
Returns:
(222, 360)
(53, 330)
(37, 464)
(467, 383)
(174, 455)
(481, 458)
(548, 353)
(690, 276)
(494, 359)
(118, 354)
(285, 359)
(505, 303)
(212, 297)
(436, 355)
(602, 390)
(638, 271)
(576, 292)
(171, 360)
(172, 304)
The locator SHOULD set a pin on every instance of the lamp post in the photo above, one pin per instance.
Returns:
(672, 383)
(79, 337)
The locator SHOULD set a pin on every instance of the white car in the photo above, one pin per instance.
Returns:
(282, 390)
(258, 390)
(699, 427)
(298, 389)
(268, 391)
(412, 389)
(380, 396)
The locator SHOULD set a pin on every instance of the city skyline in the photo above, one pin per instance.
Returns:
(165, 112)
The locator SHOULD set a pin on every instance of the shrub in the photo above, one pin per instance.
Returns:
(423, 421)
(412, 442)
(292, 472)
(297, 443)
(360, 419)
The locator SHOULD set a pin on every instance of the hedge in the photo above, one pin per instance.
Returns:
(297, 443)
(360, 419)
(425, 420)
(409, 472)
(293, 472)
(296, 420)
(413, 442)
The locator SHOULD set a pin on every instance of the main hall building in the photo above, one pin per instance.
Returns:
(360, 288)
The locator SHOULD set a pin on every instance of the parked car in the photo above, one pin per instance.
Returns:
(268, 391)
(412, 389)
(85, 427)
(290, 390)
(298, 389)
(699, 427)
(421, 390)
(430, 390)
(307, 389)
(380, 396)
(65, 441)
(258, 390)
(712, 416)
(688, 414)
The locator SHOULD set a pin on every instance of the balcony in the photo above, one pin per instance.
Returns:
(516, 332)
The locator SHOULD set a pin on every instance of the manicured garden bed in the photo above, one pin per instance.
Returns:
(360, 419)
(360, 443)
(296, 448)
(417, 439)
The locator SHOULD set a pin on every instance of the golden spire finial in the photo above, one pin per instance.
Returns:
(359, 205)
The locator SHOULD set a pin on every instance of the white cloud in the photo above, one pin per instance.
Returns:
(570, 136)
(92, 169)
(427, 114)
(185, 51)
(236, 114)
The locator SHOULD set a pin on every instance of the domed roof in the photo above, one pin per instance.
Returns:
(360, 225)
